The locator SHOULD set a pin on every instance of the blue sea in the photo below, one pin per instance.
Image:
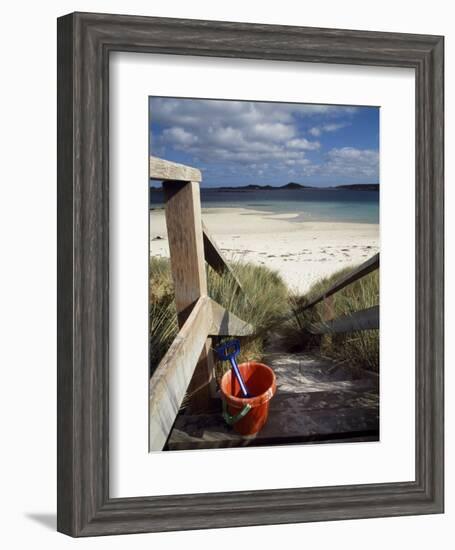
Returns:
(319, 205)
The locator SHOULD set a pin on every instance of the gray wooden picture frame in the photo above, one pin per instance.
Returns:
(85, 41)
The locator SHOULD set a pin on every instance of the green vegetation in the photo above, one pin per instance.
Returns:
(360, 349)
(267, 292)
(267, 296)
(162, 313)
(269, 301)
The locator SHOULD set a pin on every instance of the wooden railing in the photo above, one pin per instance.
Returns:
(365, 319)
(364, 269)
(215, 259)
(188, 364)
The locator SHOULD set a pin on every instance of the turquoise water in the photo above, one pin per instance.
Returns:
(328, 205)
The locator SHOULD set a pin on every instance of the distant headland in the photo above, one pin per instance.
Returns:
(293, 186)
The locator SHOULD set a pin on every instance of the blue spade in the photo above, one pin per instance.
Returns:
(229, 351)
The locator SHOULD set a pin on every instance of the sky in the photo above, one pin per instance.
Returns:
(263, 143)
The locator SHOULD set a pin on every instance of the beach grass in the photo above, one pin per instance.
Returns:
(264, 299)
(269, 300)
(360, 348)
(163, 325)
(267, 293)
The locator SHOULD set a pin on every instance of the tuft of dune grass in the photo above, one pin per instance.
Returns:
(360, 348)
(263, 301)
(163, 326)
(268, 302)
(267, 297)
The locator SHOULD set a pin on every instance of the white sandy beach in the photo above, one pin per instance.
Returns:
(302, 252)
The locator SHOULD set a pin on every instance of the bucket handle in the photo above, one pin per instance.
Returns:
(232, 419)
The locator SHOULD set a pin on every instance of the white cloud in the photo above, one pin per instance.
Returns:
(260, 138)
(179, 136)
(334, 126)
(298, 162)
(223, 136)
(235, 131)
(272, 131)
(303, 143)
(316, 131)
(350, 161)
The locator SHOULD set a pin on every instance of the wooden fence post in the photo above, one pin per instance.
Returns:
(329, 310)
(186, 247)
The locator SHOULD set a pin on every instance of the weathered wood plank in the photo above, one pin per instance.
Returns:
(186, 247)
(286, 426)
(184, 230)
(365, 319)
(225, 323)
(317, 400)
(215, 259)
(367, 267)
(170, 380)
(164, 170)
(328, 312)
(202, 387)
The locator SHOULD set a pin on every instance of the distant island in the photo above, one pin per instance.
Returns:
(360, 186)
(251, 187)
(293, 185)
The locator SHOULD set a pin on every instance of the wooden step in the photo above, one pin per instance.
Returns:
(285, 426)
(317, 401)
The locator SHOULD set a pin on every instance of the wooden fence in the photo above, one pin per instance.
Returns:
(188, 364)
(365, 319)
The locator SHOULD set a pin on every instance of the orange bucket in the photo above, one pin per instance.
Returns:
(248, 415)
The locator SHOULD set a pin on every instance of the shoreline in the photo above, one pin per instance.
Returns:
(303, 252)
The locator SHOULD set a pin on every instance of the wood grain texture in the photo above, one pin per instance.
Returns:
(66, 490)
(225, 323)
(170, 380)
(85, 42)
(164, 170)
(365, 319)
(202, 387)
(317, 400)
(186, 248)
(366, 267)
(215, 258)
(357, 273)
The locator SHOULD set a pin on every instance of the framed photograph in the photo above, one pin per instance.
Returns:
(250, 274)
(292, 348)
